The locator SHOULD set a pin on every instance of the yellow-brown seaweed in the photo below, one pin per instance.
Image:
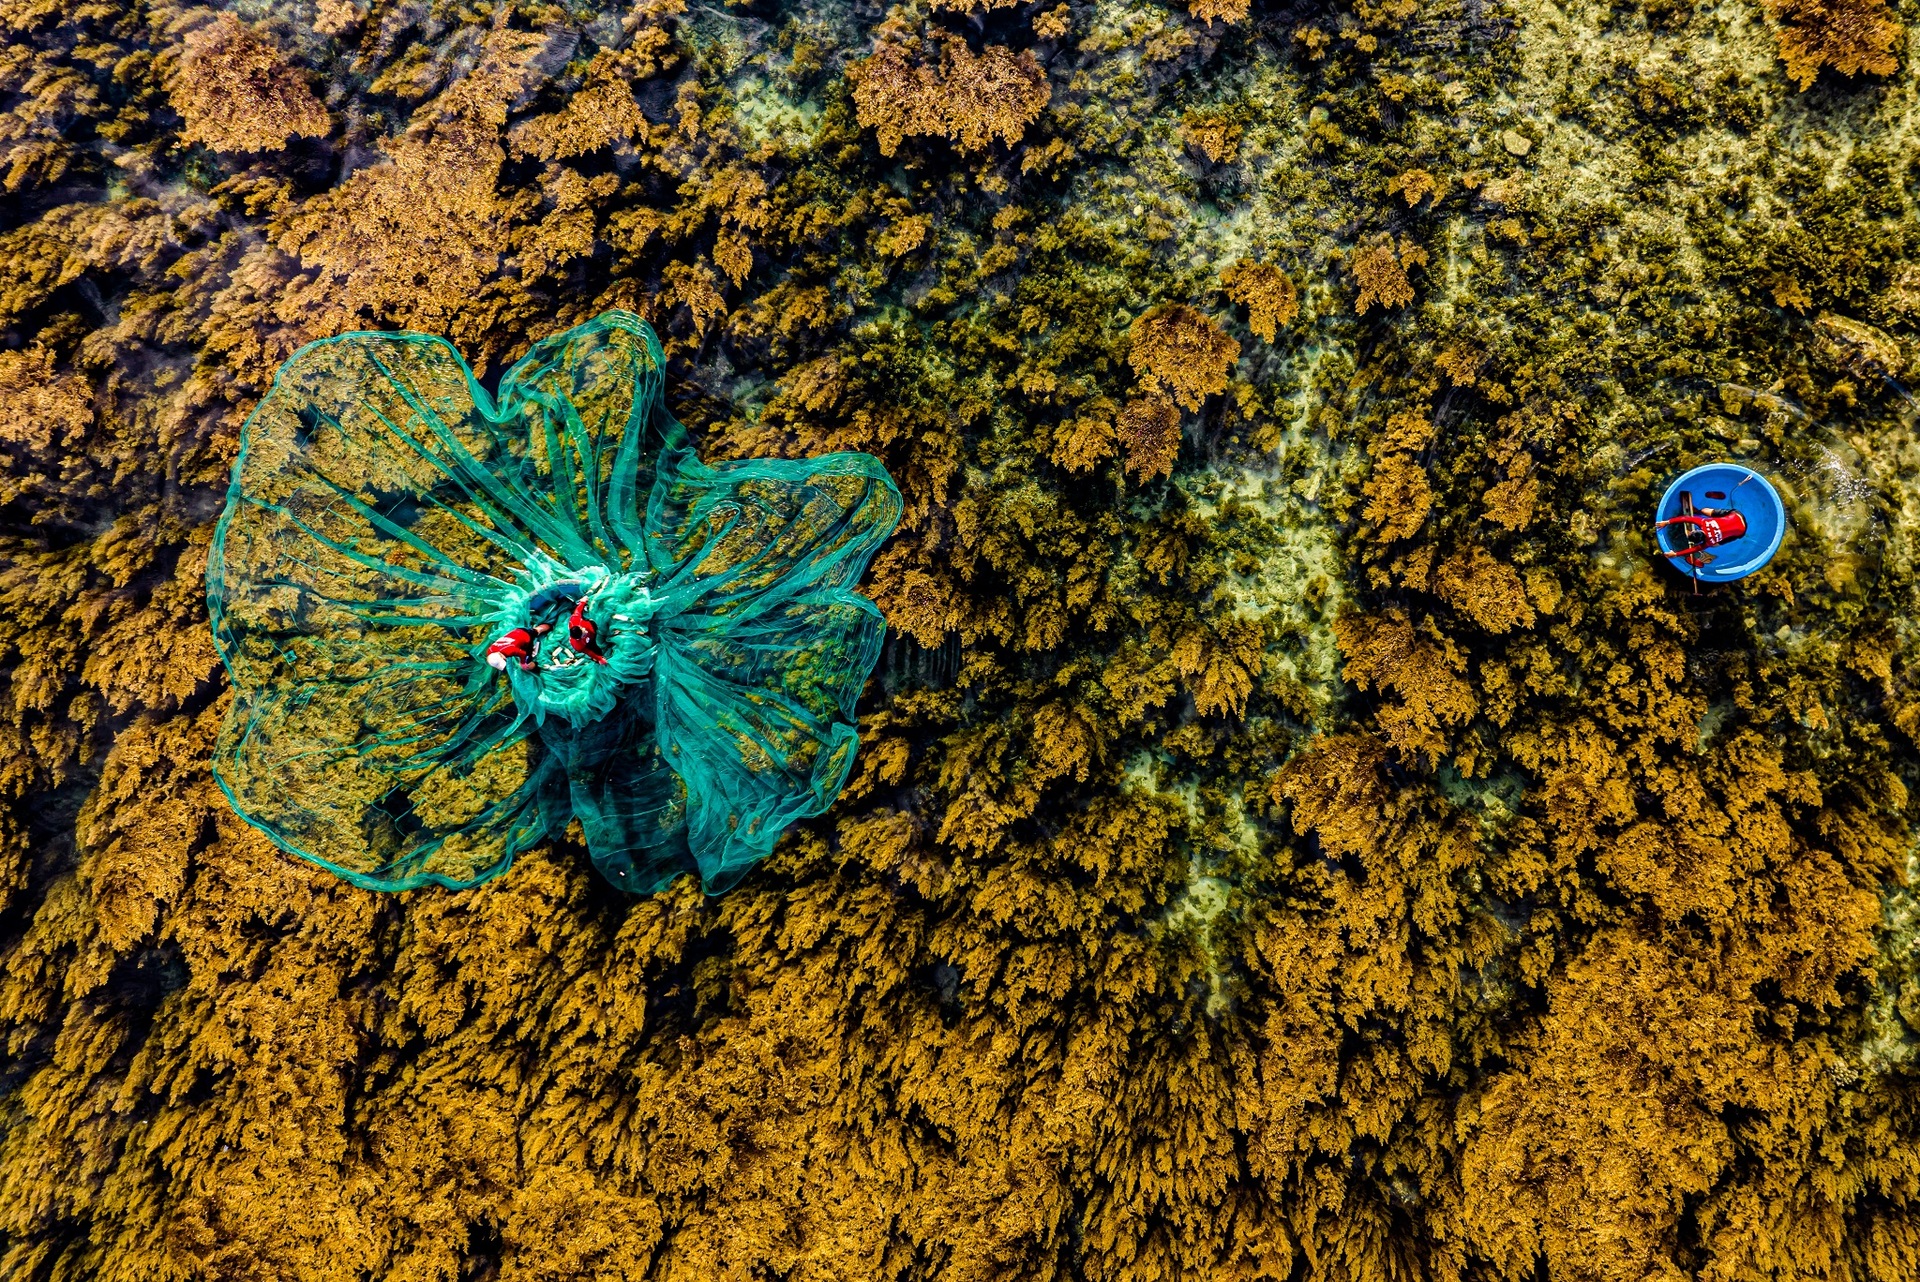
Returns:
(1300, 831)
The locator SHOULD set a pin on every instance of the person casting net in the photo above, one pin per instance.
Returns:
(455, 622)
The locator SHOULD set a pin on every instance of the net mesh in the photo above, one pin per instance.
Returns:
(455, 621)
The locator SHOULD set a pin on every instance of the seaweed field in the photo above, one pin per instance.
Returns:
(1301, 828)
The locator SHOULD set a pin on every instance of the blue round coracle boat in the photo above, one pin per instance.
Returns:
(1720, 522)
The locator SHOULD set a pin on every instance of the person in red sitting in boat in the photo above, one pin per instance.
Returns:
(520, 644)
(517, 645)
(1706, 527)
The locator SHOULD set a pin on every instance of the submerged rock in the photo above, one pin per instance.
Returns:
(1857, 347)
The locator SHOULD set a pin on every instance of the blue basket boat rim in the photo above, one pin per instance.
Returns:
(1749, 474)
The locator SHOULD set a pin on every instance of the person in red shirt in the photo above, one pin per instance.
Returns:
(1709, 527)
(582, 633)
(516, 645)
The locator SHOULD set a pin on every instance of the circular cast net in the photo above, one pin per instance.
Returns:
(456, 622)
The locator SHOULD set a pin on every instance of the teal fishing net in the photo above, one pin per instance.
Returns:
(454, 622)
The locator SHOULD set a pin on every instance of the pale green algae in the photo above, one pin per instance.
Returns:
(1277, 545)
(1284, 569)
(1891, 1037)
(1224, 841)
(767, 116)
